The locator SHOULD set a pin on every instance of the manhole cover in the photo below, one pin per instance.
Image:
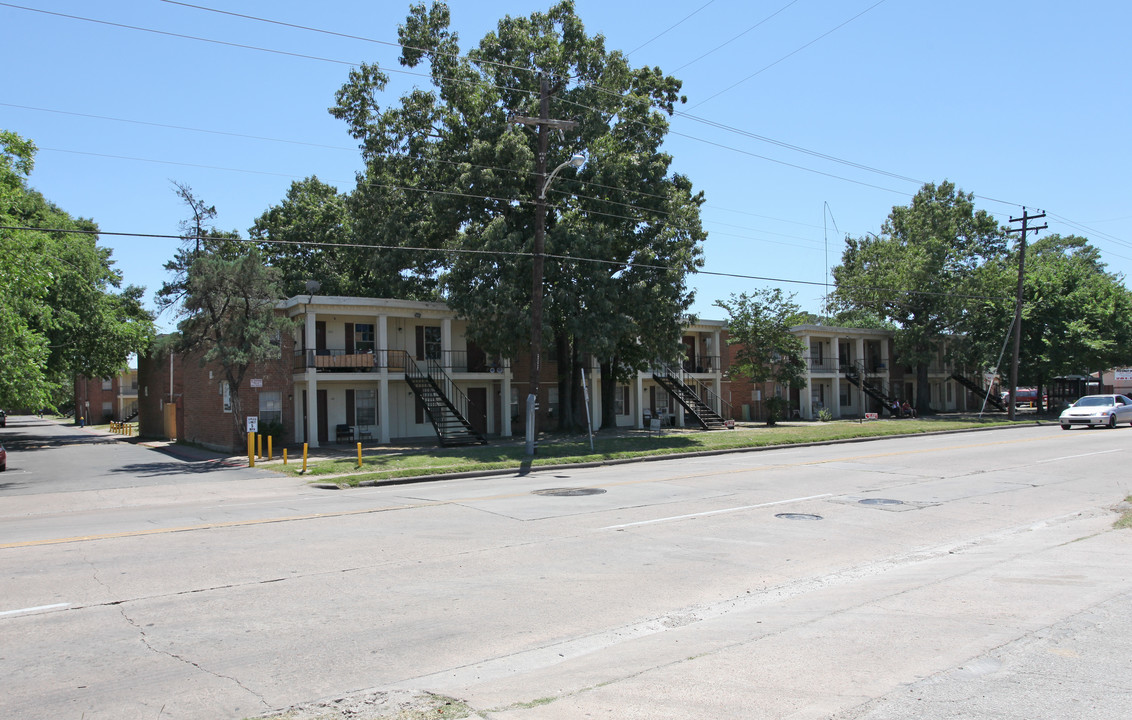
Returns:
(569, 492)
(798, 516)
(880, 501)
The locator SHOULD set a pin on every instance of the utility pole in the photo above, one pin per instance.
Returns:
(544, 123)
(1026, 228)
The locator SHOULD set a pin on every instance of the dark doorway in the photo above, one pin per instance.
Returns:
(477, 409)
(323, 422)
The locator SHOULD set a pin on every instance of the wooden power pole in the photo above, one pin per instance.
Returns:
(1026, 228)
(544, 123)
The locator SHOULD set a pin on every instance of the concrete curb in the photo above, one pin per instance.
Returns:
(649, 458)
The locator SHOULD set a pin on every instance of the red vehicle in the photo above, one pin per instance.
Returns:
(1026, 396)
(3, 459)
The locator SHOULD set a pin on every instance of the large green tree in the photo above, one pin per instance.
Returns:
(920, 272)
(308, 237)
(1076, 316)
(622, 234)
(63, 312)
(225, 296)
(766, 351)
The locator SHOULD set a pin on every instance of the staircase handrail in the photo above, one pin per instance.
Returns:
(456, 398)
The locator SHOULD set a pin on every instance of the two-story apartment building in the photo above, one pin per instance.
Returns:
(102, 400)
(379, 370)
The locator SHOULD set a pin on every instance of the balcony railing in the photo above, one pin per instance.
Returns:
(340, 360)
(823, 364)
(831, 365)
(702, 364)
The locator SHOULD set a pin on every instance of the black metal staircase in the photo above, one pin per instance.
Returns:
(707, 418)
(856, 375)
(444, 403)
(980, 391)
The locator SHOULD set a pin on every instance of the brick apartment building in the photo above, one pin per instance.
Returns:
(103, 400)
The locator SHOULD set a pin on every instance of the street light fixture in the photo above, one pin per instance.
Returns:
(576, 160)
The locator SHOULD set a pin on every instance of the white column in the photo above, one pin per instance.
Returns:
(446, 343)
(594, 379)
(312, 379)
(807, 399)
(384, 421)
(505, 403)
(382, 340)
(835, 353)
(638, 403)
(312, 408)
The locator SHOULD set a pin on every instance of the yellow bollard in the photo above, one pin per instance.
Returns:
(251, 449)
(259, 446)
(270, 454)
(304, 457)
(359, 455)
(284, 456)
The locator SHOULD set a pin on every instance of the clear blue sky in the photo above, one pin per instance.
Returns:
(1022, 103)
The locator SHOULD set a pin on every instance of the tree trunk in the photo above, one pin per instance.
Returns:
(608, 396)
(923, 390)
(562, 355)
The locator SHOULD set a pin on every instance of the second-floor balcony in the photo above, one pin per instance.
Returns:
(702, 364)
(839, 366)
(342, 360)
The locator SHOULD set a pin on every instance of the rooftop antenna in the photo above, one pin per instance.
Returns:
(826, 212)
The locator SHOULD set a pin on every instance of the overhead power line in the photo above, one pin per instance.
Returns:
(721, 126)
(786, 56)
(499, 253)
(484, 83)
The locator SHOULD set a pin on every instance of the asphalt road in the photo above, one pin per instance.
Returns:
(967, 575)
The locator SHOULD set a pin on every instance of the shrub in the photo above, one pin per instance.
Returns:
(775, 407)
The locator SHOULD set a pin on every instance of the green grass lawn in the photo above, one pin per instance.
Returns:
(378, 465)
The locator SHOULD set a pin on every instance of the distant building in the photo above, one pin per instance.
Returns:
(103, 400)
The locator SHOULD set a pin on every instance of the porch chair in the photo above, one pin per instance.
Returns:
(343, 433)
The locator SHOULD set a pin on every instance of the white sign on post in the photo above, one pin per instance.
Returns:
(253, 423)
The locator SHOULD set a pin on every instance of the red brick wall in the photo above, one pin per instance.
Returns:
(154, 393)
(206, 423)
(89, 397)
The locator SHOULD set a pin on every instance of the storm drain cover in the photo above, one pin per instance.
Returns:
(569, 492)
(880, 501)
(798, 516)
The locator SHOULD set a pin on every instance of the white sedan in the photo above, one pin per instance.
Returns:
(1106, 410)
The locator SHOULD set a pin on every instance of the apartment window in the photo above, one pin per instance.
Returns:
(365, 407)
(432, 342)
(514, 404)
(622, 400)
(270, 407)
(108, 410)
(107, 383)
(363, 338)
(552, 401)
(846, 399)
(226, 393)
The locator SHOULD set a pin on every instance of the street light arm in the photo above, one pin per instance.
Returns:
(576, 160)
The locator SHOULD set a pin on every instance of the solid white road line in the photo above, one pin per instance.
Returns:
(1071, 457)
(717, 512)
(34, 609)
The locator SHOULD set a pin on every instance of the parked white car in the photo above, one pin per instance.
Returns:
(1105, 410)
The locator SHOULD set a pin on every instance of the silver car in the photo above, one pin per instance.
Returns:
(1106, 410)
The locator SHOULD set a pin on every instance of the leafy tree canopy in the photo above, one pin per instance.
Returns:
(449, 173)
(920, 273)
(759, 324)
(61, 311)
(1076, 318)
